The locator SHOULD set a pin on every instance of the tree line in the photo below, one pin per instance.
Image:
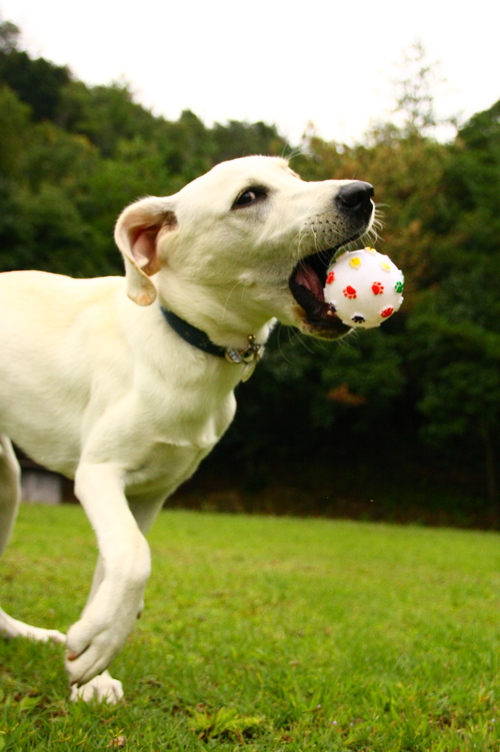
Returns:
(408, 411)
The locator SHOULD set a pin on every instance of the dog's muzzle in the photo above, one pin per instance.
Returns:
(354, 204)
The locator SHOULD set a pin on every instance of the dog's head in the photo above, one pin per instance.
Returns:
(244, 243)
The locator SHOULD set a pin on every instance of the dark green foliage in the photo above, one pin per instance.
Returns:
(36, 82)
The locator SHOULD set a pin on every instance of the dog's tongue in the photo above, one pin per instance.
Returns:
(307, 277)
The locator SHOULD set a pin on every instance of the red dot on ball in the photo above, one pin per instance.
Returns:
(349, 292)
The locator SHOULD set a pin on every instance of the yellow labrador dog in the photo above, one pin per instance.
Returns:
(126, 383)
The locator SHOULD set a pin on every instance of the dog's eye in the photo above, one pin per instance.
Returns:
(250, 196)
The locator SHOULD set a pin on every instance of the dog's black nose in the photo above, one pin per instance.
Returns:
(355, 194)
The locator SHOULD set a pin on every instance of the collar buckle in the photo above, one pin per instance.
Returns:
(247, 356)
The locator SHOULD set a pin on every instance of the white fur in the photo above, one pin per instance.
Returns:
(95, 385)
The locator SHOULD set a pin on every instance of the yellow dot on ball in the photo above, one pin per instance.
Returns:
(385, 267)
(368, 249)
(355, 262)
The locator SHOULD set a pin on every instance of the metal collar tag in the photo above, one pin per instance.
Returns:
(248, 354)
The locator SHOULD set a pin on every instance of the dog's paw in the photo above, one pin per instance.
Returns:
(11, 628)
(46, 635)
(92, 645)
(97, 638)
(102, 688)
(89, 655)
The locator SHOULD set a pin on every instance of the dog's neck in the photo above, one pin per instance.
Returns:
(199, 339)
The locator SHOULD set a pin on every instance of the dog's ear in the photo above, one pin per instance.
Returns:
(136, 236)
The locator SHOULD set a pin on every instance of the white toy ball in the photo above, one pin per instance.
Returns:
(364, 287)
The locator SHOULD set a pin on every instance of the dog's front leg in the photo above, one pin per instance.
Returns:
(102, 687)
(117, 593)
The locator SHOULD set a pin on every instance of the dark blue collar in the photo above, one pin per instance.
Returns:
(202, 341)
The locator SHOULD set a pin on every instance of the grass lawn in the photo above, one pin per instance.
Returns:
(267, 634)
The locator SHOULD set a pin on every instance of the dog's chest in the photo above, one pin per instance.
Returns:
(164, 468)
(168, 442)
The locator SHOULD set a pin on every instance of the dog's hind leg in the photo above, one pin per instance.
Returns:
(10, 495)
(10, 490)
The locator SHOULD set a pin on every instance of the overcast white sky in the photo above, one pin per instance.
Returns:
(322, 61)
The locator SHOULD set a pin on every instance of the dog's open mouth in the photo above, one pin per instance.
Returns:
(306, 284)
